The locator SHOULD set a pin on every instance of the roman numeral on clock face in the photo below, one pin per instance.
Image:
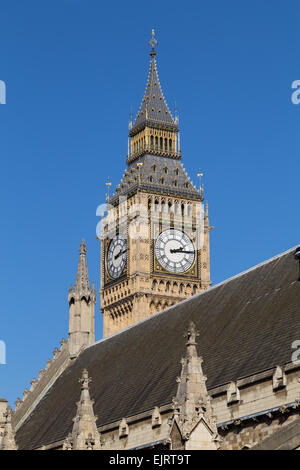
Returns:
(175, 251)
(117, 256)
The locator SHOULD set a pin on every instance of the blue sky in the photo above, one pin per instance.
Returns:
(73, 68)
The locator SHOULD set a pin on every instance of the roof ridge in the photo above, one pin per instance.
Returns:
(226, 281)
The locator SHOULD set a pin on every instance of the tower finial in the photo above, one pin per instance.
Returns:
(82, 285)
(200, 176)
(82, 249)
(108, 185)
(153, 42)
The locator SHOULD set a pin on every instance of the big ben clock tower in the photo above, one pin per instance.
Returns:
(155, 238)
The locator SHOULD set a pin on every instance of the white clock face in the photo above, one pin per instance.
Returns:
(116, 256)
(175, 251)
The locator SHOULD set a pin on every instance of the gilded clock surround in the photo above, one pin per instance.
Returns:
(108, 278)
(192, 272)
(156, 180)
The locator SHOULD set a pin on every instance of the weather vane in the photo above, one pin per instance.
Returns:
(108, 184)
(153, 42)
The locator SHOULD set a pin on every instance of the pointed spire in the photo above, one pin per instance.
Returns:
(85, 435)
(192, 402)
(8, 440)
(82, 301)
(154, 108)
(82, 286)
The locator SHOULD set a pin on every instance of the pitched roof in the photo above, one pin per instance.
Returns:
(154, 108)
(286, 438)
(157, 174)
(246, 325)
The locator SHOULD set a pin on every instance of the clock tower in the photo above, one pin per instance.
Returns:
(155, 237)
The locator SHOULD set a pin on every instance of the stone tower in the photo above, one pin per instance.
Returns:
(155, 237)
(82, 300)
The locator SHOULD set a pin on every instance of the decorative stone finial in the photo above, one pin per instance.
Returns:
(191, 336)
(233, 394)
(82, 286)
(85, 435)
(153, 42)
(85, 380)
(123, 428)
(192, 406)
(279, 378)
(156, 418)
(82, 249)
(18, 402)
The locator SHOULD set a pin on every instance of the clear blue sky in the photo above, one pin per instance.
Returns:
(73, 68)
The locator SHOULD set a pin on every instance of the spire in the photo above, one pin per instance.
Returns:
(154, 109)
(82, 300)
(8, 440)
(85, 435)
(82, 286)
(192, 402)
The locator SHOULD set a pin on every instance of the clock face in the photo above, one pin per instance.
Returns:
(175, 251)
(116, 256)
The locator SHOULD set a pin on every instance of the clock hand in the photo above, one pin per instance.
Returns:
(180, 250)
(120, 253)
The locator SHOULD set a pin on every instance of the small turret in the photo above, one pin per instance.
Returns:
(82, 300)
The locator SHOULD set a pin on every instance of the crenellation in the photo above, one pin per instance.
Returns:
(40, 385)
(33, 384)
